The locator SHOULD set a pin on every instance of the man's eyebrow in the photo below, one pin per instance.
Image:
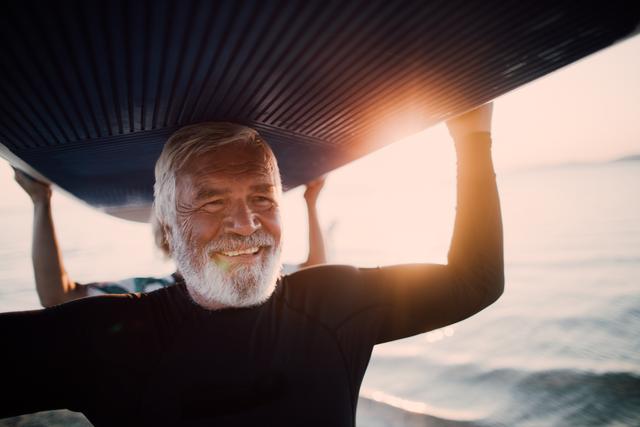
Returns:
(207, 193)
(263, 187)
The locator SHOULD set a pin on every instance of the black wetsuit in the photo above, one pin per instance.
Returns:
(299, 359)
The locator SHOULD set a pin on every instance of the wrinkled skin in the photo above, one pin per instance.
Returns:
(227, 202)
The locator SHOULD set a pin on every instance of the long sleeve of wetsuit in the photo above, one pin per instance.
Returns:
(419, 298)
(365, 306)
(40, 369)
(87, 355)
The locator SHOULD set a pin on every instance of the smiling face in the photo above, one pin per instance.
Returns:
(226, 240)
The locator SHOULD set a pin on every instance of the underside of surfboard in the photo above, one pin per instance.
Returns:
(90, 90)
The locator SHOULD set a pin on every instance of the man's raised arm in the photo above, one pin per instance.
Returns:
(423, 297)
(476, 252)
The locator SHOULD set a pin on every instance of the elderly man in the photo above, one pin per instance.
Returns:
(236, 344)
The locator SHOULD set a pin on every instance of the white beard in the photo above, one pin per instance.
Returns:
(212, 285)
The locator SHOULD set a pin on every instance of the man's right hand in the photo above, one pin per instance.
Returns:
(476, 120)
(37, 190)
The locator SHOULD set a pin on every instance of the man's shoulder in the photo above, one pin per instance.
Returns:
(328, 291)
(326, 274)
(162, 307)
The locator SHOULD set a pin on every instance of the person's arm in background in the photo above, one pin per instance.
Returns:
(317, 252)
(53, 284)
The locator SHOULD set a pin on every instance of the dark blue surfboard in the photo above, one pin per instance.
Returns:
(90, 90)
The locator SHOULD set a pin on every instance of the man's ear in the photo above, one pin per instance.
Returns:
(166, 239)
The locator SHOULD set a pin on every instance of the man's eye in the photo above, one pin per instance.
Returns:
(214, 204)
(262, 201)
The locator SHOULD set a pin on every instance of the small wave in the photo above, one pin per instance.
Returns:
(521, 398)
(377, 409)
(575, 398)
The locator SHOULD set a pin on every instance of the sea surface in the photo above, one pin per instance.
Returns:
(560, 348)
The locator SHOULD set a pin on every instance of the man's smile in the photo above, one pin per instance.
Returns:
(248, 251)
(244, 255)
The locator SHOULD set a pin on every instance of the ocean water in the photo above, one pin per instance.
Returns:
(560, 348)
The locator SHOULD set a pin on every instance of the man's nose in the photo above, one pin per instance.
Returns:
(241, 220)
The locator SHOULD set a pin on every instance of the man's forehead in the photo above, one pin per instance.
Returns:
(219, 170)
(229, 159)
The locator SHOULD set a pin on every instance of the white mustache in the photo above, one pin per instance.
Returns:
(235, 243)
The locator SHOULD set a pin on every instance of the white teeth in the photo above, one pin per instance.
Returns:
(241, 252)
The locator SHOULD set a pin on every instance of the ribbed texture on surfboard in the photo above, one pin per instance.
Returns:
(91, 89)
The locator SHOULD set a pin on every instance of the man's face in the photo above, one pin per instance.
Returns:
(226, 242)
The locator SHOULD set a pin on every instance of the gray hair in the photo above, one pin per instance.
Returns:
(159, 237)
(194, 140)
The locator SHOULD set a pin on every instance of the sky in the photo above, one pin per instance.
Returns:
(584, 112)
(588, 111)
